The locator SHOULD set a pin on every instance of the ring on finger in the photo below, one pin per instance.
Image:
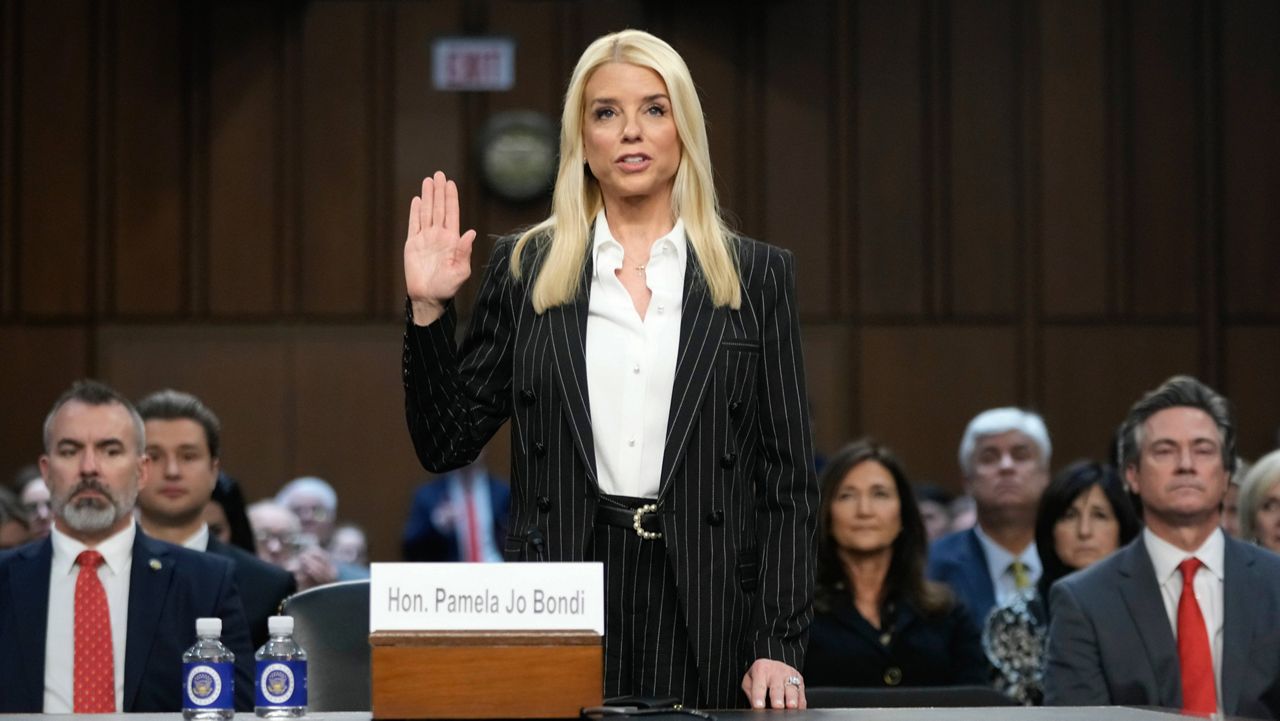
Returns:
(794, 681)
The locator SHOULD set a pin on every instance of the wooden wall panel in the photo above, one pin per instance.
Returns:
(246, 160)
(10, 37)
(1073, 164)
(39, 364)
(540, 85)
(1251, 150)
(798, 163)
(1093, 375)
(57, 163)
(921, 385)
(334, 247)
(985, 200)
(831, 359)
(349, 405)
(243, 373)
(1165, 261)
(427, 129)
(891, 189)
(1254, 392)
(150, 248)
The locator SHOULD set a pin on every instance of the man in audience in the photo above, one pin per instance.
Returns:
(14, 529)
(1183, 617)
(315, 503)
(95, 618)
(461, 516)
(33, 494)
(183, 445)
(281, 542)
(1004, 456)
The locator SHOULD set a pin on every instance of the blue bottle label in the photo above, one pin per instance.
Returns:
(281, 683)
(207, 685)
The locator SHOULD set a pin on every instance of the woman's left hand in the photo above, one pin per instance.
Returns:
(774, 682)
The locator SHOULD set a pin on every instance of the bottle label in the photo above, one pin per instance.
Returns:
(208, 685)
(281, 683)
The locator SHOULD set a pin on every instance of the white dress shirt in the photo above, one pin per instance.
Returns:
(999, 562)
(60, 639)
(1165, 558)
(631, 361)
(198, 541)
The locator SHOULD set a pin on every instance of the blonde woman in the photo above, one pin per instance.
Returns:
(649, 362)
(1260, 502)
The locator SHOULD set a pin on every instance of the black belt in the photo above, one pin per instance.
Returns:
(643, 520)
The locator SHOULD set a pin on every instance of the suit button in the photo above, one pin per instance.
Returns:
(735, 408)
(892, 676)
(728, 459)
(715, 518)
(528, 397)
(544, 504)
(539, 448)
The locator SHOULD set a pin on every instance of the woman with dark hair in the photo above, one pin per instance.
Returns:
(1084, 516)
(226, 516)
(879, 622)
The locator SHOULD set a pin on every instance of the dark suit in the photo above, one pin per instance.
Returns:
(263, 587)
(737, 492)
(957, 559)
(846, 650)
(1110, 640)
(164, 604)
(424, 540)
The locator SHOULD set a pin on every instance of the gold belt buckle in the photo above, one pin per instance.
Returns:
(637, 522)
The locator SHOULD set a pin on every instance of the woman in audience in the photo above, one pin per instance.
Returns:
(1260, 502)
(879, 622)
(1084, 516)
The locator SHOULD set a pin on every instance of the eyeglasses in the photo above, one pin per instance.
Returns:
(36, 506)
(291, 541)
(315, 513)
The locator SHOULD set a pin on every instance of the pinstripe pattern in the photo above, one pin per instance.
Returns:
(738, 491)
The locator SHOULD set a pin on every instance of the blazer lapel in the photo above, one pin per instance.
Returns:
(148, 588)
(568, 325)
(701, 328)
(30, 598)
(1141, 594)
(1238, 577)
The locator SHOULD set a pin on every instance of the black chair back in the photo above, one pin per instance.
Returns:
(331, 623)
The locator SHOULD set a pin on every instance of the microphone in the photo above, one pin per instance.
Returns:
(533, 537)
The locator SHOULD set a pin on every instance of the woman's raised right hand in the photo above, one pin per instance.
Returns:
(437, 260)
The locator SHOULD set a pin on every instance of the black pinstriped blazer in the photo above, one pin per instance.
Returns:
(738, 494)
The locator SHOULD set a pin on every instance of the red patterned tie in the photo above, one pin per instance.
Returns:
(95, 690)
(1198, 693)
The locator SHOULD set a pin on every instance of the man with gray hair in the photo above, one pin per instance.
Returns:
(315, 503)
(1004, 457)
(1183, 617)
(95, 618)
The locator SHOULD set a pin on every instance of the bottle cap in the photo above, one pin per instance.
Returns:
(208, 627)
(277, 625)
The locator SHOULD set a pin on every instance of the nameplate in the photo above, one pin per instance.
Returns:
(486, 597)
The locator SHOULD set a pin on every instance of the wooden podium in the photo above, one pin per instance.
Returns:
(485, 674)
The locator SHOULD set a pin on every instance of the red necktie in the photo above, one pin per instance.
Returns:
(95, 676)
(473, 530)
(1198, 693)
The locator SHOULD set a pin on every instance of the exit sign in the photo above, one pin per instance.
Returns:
(475, 63)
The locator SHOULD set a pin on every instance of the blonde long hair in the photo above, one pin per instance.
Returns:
(577, 199)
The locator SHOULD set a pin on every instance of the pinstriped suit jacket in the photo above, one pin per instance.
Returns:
(738, 493)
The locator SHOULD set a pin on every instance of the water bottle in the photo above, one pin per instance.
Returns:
(281, 687)
(208, 675)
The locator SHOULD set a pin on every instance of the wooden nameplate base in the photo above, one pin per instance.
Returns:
(485, 674)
